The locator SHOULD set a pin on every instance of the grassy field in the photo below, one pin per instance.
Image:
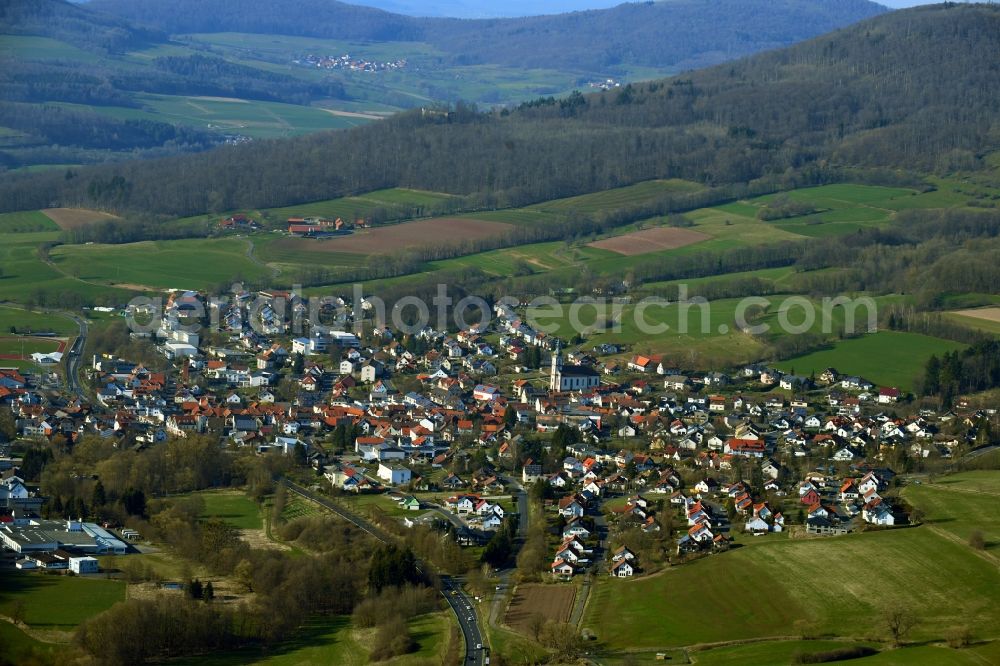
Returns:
(58, 602)
(39, 322)
(836, 586)
(333, 640)
(887, 358)
(26, 346)
(233, 507)
(20, 648)
(783, 652)
(179, 264)
(26, 221)
(961, 504)
(351, 208)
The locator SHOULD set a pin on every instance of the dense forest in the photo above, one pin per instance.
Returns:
(77, 25)
(680, 33)
(907, 89)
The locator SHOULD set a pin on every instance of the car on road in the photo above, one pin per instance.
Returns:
(479, 646)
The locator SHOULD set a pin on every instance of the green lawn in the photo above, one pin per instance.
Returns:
(837, 586)
(886, 358)
(58, 602)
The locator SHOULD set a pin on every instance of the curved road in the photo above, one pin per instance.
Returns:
(459, 602)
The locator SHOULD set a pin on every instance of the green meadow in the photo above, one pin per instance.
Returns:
(886, 358)
(233, 507)
(334, 640)
(58, 602)
(351, 208)
(178, 264)
(827, 586)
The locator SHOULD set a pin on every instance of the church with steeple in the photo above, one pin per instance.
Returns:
(570, 377)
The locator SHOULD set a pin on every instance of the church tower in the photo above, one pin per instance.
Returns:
(555, 376)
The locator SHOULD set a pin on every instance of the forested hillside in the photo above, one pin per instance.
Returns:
(86, 29)
(679, 33)
(907, 89)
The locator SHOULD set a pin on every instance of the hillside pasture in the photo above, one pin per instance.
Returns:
(961, 504)
(72, 218)
(552, 602)
(149, 265)
(887, 358)
(26, 222)
(794, 585)
(986, 319)
(392, 201)
(650, 240)
(618, 197)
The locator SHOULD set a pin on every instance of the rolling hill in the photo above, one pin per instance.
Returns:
(678, 34)
(903, 90)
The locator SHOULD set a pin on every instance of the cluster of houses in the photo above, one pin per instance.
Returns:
(316, 227)
(641, 425)
(346, 62)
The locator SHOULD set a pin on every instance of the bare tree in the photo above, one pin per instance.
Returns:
(977, 540)
(898, 621)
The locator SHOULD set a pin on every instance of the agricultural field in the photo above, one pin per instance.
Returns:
(960, 504)
(71, 218)
(985, 319)
(58, 602)
(650, 240)
(441, 231)
(886, 358)
(25, 273)
(553, 602)
(25, 222)
(781, 587)
(639, 193)
(149, 265)
(229, 115)
(393, 200)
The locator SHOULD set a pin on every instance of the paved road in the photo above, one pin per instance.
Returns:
(74, 355)
(460, 603)
(523, 516)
